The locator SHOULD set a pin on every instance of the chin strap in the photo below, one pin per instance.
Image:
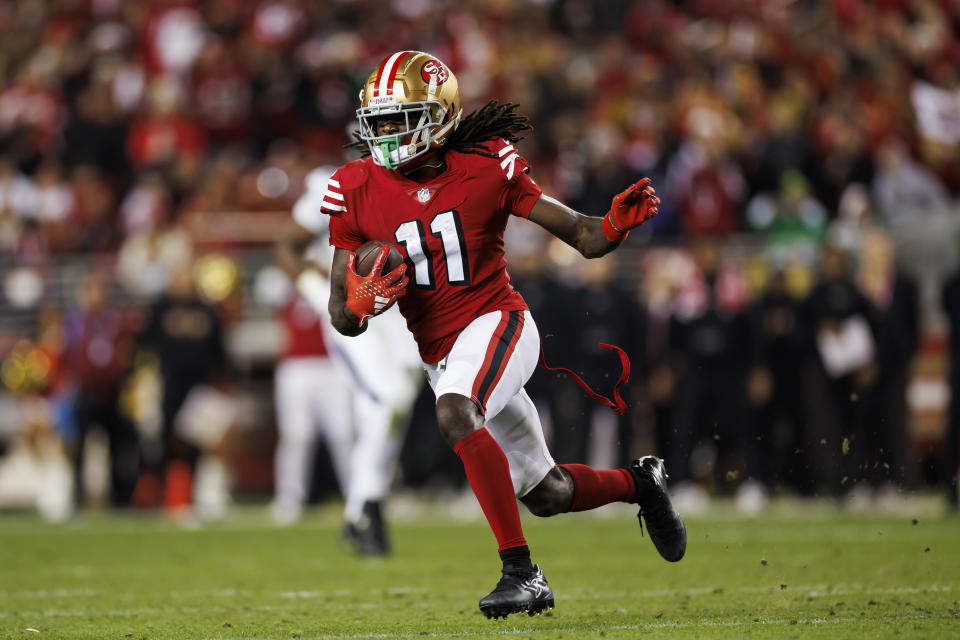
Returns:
(387, 150)
(617, 403)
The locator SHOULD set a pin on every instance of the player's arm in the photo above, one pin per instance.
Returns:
(309, 277)
(290, 248)
(594, 237)
(354, 298)
(341, 317)
(583, 233)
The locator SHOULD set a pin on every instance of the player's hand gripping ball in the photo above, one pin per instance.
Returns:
(370, 292)
(629, 209)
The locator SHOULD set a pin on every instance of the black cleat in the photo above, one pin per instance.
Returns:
(518, 593)
(663, 522)
(368, 537)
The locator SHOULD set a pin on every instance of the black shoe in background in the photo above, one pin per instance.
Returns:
(368, 536)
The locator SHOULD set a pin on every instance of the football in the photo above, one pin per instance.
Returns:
(367, 254)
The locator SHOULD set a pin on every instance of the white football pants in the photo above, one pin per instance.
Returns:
(383, 365)
(313, 399)
(491, 360)
(379, 375)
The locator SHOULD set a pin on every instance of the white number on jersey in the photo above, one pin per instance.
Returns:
(448, 228)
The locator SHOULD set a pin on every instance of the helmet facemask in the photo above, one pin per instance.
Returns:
(421, 127)
(421, 94)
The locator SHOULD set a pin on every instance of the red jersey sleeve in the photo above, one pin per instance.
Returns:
(344, 233)
(344, 230)
(521, 192)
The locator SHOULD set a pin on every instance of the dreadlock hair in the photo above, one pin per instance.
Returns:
(492, 120)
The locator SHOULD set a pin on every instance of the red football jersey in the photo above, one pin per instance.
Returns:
(450, 230)
(304, 330)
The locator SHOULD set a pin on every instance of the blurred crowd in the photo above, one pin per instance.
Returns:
(120, 117)
(799, 386)
(807, 155)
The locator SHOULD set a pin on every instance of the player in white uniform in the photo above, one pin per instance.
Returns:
(383, 367)
(303, 415)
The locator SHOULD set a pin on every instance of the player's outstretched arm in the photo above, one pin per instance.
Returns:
(341, 317)
(310, 278)
(594, 237)
(290, 248)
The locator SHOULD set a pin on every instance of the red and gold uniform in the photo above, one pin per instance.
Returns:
(449, 229)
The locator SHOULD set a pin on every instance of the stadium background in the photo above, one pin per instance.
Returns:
(142, 140)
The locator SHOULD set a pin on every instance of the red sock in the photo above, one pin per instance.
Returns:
(594, 488)
(489, 475)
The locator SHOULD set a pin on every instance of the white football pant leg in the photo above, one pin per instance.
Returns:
(310, 396)
(511, 416)
(386, 367)
(380, 429)
(383, 369)
(518, 431)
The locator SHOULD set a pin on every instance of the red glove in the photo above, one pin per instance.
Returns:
(630, 209)
(373, 294)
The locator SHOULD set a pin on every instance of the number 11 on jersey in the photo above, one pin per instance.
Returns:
(447, 227)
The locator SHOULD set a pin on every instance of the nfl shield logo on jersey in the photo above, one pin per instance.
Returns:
(423, 195)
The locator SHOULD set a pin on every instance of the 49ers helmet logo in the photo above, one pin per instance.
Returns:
(434, 67)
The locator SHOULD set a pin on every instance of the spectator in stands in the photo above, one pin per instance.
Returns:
(779, 105)
(775, 386)
(549, 299)
(907, 193)
(726, 115)
(221, 89)
(914, 204)
(557, 299)
(186, 335)
(55, 205)
(951, 446)
(604, 312)
(839, 334)
(661, 275)
(96, 134)
(894, 296)
(98, 346)
(792, 218)
(94, 208)
(165, 136)
(17, 195)
(710, 438)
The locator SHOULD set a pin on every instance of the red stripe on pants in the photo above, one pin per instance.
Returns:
(511, 346)
(488, 358)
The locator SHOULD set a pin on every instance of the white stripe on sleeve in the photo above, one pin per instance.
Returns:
(332, 207)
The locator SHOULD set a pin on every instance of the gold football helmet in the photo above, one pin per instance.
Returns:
(417, 87)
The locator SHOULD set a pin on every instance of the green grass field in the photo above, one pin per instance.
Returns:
(811, 573)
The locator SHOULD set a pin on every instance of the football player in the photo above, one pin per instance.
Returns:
(379, 377)
(441, 187)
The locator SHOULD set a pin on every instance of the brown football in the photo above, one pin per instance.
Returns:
(367, 254)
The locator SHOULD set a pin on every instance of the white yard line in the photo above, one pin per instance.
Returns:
(52, 593)
(811, 590)
(802, 590)
(706, 624)
(808, 590)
